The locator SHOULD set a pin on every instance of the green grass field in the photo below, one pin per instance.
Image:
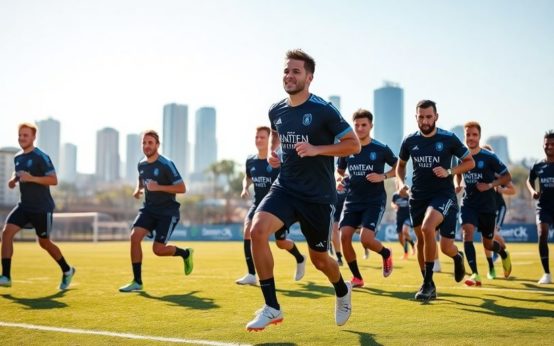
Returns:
(208, 305)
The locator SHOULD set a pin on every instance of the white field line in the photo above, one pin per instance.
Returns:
(114, 334)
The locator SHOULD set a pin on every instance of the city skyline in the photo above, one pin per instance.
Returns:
(96, 65)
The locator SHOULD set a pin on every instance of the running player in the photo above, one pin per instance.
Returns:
(478, 205)
(403, 223)
(433, 201)
(35, 173)
(366, 201)
(262, 175)
(305, 189)
(544, 172)
(160, 181)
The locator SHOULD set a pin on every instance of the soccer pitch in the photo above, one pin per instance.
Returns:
(208, 308)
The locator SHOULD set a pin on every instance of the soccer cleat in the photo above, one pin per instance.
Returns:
(507, 265)
(5, 281)
(356, 282)
(300, 270)
(473, 280)
(459, 267)
(427, 292)
(491, 275)
(546, 279)
(264, 317)
(189, 264)
(133, 286)
(387, 265)
(248, 279)
(366, 253)
(437, 266)
(343, 307)
(66, 279)
(404, 256)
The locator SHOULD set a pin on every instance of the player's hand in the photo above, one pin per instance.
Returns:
(440, 172)
(305, 149)
(536, 195)
(245, 193)
(138, 193)
(375, 177)
(483, 186)
(24, 177)
(274, 160)
(458, 189)
(12, 183)
(404, 191)
(152, 185)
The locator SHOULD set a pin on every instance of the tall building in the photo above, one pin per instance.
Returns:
(335, 100)
(134, 154)
(175, 142)
(388, 115)
(107, 154)
(8, 197)
(205, 149)
(67, 170)
(48, 138)
(459, 131)
(500, 146)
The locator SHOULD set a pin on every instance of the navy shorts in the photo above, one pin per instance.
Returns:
(485, 222)
(401, 221)
(315, 219)
(161, 226)
(41, 222)
(447, 206)
(500, 215)
(279, 235)
(338, 207)
(545, 216)
(368, 216)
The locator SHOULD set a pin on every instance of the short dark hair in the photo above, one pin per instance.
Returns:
(427, 104)
(549, 134)
(263, 128)
(299, 54)
(153, 134)
(362, 113)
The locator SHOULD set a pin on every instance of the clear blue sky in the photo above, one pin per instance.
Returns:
(92, 64)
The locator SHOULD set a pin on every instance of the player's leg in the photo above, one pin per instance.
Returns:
(289, 245)
(448, 247)
(487, 227)
(468, 231)
(137, 235)
(164, 226)
(542, 229)
(402, 238)
(8, 233)
(430, 222)
(347, 232)
(370, 222)
(250, 277)
(337, 241)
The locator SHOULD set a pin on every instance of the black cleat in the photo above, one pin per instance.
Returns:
(459, 267)
(427, 292)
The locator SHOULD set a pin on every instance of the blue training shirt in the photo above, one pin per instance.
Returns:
(35, 197)
(544, 171)
(371, 159)
(164, 172)
(317, 122)
(427, 153)
(262, 175)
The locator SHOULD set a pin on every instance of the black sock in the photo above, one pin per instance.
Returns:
(181, 252)
(340, 287)
(470, 255)
(248, 256)
(491, 263)
(543, 252)
(384, 252)
(498, 249)
(6, 267)
(411, 243)
(269, 292)
(137, 272)
(428, 277)
(63, 265)
(405, 246)
(354, 269)
(294, 251)
(339, 256)
(423, 273)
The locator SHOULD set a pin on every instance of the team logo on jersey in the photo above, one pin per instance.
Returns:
(252, 169)
(351, 156)
(278, 122)
(480, 164)
(29, 162)
(439, 146)
(156, 172)
(268, 168)
(307, 119)
(373, 156)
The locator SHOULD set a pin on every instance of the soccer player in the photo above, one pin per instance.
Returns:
(403, 222)
(366, 201)
(479, 202)
(160, 181)
(262, 175)
(544, 172)
(35, 173)
(305, 191)
(433, 202)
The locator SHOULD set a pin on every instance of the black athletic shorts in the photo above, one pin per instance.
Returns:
(161, 226)
(484, 222)
(41, 222)
(447, 206)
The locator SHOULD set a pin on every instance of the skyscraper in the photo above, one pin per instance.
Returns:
(68, 163)
(48, 138)
(205, 150)
(8, 197)
(107, 154)
(389, 115)
(459, 131)
(335, 100)
(175, 142)
(134, 154)
(500, 146)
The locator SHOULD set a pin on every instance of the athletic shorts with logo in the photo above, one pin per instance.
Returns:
(159, 226)
(447, 206)
(484, 222)
(41, 222)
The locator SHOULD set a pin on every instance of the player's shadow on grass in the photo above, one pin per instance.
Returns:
(188, 300)
(542, 301)
(42, 303)
(365, 338)
(491, 308)
(276, 344)
(309, 290)
(393, 294)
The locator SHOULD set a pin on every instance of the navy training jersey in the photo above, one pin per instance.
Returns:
(317, 122)
(403, 204)
(544, 171)
(164, 172)
(35, 197)
(371, 159)
(262, 175)
(487, 167)
(427, 153)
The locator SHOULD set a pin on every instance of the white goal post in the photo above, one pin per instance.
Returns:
(88, 226)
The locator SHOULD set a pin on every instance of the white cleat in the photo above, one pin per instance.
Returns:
(300, 270)
(343, 307)
(5, 281)
(437, 266)
(546, 279)
(264, 317)
(248, 279)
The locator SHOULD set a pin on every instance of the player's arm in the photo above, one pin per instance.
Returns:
(177, 187)
(246, 182)
(13, 180)
(500, 180)
(138, 189)
(531, 185)
(507, 189)
(401, 177)
(377, 178)
(348, 144)
(458, 183)
(272, 158)
(465, 165)
(47, 180)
